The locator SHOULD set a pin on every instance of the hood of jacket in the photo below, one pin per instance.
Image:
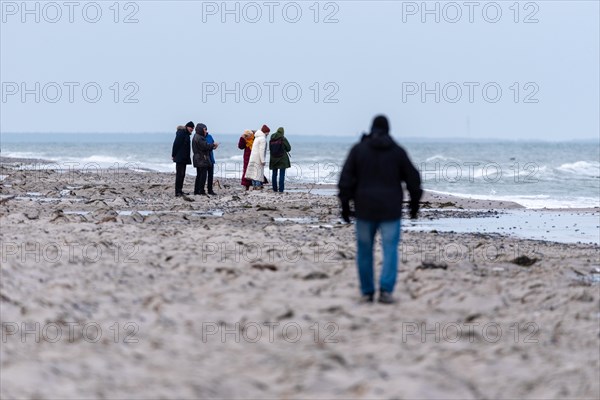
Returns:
(200, 129)
(277, 134)
(198, 136)
(182, 128)
(259, 133)
(379, 140)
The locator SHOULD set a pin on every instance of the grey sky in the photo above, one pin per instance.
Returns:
(178, 53)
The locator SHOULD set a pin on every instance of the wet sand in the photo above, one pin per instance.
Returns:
(113, 288)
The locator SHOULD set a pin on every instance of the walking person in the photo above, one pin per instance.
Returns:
(245, 143)
(279, 159)
(211, 167)
(180, 154)
(258, 156)
(202, 163)
(372, 177)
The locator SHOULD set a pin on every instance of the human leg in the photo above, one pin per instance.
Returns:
(281, 180)
(365, 236)
(390, 237)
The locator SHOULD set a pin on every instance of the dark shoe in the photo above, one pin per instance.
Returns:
(178, 194)
(366, 298)
(199, 193)
(212, 193)
(386, 298)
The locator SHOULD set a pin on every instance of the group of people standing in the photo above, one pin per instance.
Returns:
(372, 178)
(254, 145)
(202, 146)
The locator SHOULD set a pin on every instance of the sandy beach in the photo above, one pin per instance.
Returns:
(113, 288)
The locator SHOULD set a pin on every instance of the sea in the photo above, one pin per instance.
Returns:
(535, 174)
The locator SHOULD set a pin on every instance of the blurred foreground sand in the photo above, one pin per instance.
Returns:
(113, 288)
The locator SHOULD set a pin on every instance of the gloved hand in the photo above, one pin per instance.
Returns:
(346, 216)
(346, 212)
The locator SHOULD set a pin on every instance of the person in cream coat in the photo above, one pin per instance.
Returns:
(258, 158)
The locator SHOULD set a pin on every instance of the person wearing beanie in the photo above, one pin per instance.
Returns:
(258, 156)
(372, 178)
(180, 154)
(280, 159)
(202, 160)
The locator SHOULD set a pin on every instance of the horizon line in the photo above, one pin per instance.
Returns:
(453, 138)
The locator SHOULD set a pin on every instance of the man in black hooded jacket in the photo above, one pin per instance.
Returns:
(180, 154)
(372, 177)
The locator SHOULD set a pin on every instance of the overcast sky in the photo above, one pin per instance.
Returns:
(489, 70)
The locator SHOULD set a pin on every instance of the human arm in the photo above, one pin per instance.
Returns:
(211, 141)
(347, 184)
(412, 178)
(204, 145)
(177, 143)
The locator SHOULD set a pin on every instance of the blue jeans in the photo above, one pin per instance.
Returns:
(281, 179)
(365, 238)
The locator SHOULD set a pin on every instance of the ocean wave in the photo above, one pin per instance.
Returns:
(441, 157)
(532, 201)
(102, 159)
(23, 154)
(585, 168)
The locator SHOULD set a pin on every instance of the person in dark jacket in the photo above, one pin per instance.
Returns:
(372, 177)
(202, 161)
(279, 158)
(180, 154)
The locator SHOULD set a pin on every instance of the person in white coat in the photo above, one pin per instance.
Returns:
(258, 158)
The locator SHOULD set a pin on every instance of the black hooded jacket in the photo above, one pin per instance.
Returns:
(181, 146)
(372, 176)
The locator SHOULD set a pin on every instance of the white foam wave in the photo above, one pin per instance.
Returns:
(586, 168)
(102, 159)
(534, 201)
(23, 154)
(440, 157)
